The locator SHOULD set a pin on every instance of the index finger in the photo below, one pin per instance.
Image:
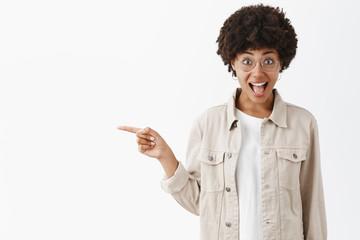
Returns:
(128, 128)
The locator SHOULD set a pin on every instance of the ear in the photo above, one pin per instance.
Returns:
(233, 64)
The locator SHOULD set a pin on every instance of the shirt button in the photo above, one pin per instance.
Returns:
(210, 158)
(228, 189)
(295, 156)
(235, 124)
(228, 224)
(228, 155)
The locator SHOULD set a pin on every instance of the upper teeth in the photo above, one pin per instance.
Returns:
(258, 84)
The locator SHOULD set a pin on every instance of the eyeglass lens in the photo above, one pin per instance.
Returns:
(268, 63)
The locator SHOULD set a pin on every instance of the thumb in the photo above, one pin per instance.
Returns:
(152, 132)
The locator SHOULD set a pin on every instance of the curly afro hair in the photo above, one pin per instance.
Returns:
(255, 27)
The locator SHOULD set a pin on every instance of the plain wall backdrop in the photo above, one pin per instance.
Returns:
(71, 71)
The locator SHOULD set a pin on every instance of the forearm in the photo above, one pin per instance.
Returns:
(169, 164)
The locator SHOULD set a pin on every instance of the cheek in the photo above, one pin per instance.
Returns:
(274, 76)
(242, 76)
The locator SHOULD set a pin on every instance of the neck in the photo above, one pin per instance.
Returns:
(261, 110)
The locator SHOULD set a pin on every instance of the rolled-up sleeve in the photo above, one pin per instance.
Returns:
(177, 181)
(312, 194)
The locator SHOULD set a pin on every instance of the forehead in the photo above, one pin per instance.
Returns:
(258, 52)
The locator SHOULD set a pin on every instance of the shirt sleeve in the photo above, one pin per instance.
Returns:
(312, 194)
(177, 181)
(184, 185)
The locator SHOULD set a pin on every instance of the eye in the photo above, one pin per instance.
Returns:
(246, 62)
(269, 61)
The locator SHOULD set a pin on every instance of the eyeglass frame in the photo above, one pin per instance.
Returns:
(261, 64)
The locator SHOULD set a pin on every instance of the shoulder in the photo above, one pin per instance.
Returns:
(214, 118)
(213, 112)
(211, 124)
(301, 113)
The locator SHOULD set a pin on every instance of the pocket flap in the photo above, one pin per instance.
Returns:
(292, 154)
(211, 157)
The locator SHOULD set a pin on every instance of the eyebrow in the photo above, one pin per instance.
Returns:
(262, 54)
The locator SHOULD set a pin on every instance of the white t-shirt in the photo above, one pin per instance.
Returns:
(248, 178)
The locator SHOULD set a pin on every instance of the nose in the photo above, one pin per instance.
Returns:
(257, 70)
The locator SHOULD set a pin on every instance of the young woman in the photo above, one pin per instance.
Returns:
(253, 164)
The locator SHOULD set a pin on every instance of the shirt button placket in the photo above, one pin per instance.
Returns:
(228, 155)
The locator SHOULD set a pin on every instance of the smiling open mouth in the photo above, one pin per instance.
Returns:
(258, 88)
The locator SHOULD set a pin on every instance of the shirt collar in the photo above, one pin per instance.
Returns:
(278, 114)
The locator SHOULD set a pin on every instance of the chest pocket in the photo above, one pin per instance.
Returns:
(212, 170)
(289, 164)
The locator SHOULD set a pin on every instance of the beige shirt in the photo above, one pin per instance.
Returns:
(292, 191)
